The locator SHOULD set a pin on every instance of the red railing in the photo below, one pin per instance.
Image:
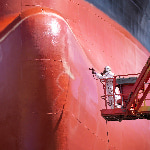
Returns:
(114, 94)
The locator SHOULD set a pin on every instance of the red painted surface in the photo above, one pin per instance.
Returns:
(49, 99)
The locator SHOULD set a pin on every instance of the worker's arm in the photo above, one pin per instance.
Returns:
(104, 76)
(99, 76)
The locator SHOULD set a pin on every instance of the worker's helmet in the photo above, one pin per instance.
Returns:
(107, 68)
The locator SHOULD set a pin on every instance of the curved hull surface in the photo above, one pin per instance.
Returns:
(49, 99)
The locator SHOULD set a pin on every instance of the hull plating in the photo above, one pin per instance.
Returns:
(49, 99)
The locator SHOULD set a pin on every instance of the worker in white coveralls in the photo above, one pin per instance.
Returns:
(109, 86)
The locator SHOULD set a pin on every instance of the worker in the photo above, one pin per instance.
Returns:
(107, 74)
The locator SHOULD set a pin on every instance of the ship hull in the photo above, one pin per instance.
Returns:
(49, 98)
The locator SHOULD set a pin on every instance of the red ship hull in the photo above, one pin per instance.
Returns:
(49, 99)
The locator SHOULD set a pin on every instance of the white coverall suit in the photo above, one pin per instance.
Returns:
(109, 88)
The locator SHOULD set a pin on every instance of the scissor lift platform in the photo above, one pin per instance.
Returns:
(133, 94)
(120, 114)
